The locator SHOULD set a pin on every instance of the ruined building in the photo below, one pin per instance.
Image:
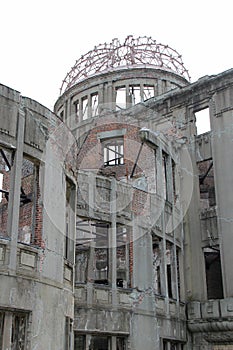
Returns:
(116, 223)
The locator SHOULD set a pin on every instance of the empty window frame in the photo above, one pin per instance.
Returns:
(148, 92)
(213, 273)
(94, 104)
(122, 254)
(113, 150)
(164, 175)
(79, 341)
(28, 199)
(178, 270)
(92, 249)
(5, 171)
(120, 343)
(70, 212)
(77, 109)
(120, 98)
(100, 343)
(157, 268)
(84, 107)
(135, 94)
(202, 121)
(206, 183)
(19, 328)
(169, 269)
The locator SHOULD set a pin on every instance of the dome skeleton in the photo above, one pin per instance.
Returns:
(142, 51)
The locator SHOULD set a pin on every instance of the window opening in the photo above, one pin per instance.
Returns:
(169, 268)
(148, 92)
(178, 269)
(164, 175)
(94, 105)
(5, 169)
(122, 253)
(120, 98)
(79, 342)
(213, 273)
(113, 152)
(99, 343)
(28, 199)
(77, 110)
(135, 94)
(120, 343)
(70, 210)
(174, 179)
(18, 337)
(92, 245)
(84, 108)
(202, 121)
(157, 268)
(206, 183)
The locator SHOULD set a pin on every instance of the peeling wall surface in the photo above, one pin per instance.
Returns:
(116, 214)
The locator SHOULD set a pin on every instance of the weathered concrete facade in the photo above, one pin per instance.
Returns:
(123, 160)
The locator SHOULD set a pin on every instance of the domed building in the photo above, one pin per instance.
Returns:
(116, 209)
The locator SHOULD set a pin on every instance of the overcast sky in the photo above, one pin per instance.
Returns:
(40, 40)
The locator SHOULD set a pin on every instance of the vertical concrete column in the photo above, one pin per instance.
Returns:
(7, 331)
(14, 196)
(159, 87)
(90, 272)
(112, 237)
(100, 98)
(142, 92)
(110, 97)
(89, 107)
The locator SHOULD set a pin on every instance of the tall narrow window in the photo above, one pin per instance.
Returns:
(5, 169)
(174, 180)
(70, 210)
(202, 121)
(148, 92)
(79, 342)
(135, 94)
(121, 98)
(206, 183)
(157, 268)
(77, 110)
(18, 337)
(92, 248)
(84, 108)
(113, 151)
(123, 239)
(28, 199)
(94, 105)
(169, 268)
(120, 343)
(164, 176)
(213, 274)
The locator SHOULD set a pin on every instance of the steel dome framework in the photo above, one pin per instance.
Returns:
(134, 52)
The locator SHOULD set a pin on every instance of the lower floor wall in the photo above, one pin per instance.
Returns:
(34, 315)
